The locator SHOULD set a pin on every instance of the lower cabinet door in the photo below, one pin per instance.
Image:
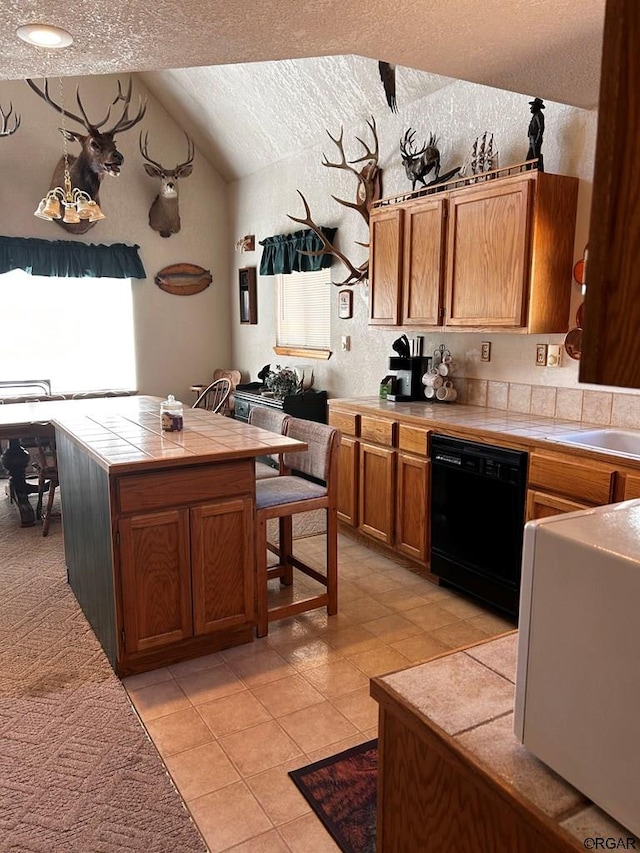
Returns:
(544, 505)
(412, 525)
(155, 568)
(348, 480)
(222, 558)
(377, 492)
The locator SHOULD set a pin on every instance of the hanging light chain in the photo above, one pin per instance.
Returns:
(65, 152)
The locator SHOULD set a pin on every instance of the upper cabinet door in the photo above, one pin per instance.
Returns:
(423, 263)
(385, 266)
(488, 255)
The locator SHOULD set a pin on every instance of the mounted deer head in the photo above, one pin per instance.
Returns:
(369, 189)
(5, 130)
(417, 164)
(99, 155)
(164, 215)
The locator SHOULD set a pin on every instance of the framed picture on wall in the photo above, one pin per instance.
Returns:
(345, 304)
(248, 301)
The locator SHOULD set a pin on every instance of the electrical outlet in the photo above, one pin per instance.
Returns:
(485, 351)
(345, 343)
(541, 355)
(553, 356)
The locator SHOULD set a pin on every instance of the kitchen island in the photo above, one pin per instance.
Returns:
(453, 776)
(158, 526)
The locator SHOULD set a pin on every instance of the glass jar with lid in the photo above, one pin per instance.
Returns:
(171, 414)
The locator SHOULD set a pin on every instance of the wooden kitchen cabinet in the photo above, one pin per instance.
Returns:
(376, 504)
(348, 476)
(488, 247)
(561, 483)
(385, 265)
(631, 487)
(186, 572)
(443, 790)
(156, 580)
(413, 493)
(222, 533)
(348, 464)
(423, 262)
(385, 482)
(494, 255)
(413, 506)
(543, 505)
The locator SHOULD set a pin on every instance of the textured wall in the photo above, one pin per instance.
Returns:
(179, 339)
(456, 114)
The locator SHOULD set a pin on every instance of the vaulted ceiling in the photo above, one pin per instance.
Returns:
(256, 82)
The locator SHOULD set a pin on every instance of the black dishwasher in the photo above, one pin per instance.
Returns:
(477, 518)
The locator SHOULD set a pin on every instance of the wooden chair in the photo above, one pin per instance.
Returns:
(214, 396)
(275, 421)
(47, 467)
(235, 377)
(309, 481)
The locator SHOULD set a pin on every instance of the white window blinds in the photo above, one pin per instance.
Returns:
(303, 309)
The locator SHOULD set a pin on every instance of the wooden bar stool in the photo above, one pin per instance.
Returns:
(275, 421)
(309, 481)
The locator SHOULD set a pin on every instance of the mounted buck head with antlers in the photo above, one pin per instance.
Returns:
(369, 189)
(164, 214)
(99, 155)
(5, 130)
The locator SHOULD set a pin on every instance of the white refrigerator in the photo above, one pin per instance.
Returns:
(577, 704)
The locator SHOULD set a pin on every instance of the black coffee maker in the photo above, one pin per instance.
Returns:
(409, 370)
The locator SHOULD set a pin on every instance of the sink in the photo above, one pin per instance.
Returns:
(619, 441)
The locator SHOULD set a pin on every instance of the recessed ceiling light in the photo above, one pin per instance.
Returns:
(43, 35)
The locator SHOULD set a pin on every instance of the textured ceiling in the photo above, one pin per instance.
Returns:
(246, 116)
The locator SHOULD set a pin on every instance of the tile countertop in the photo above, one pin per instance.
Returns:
(512, 429)
(125, 433)
(469, 695)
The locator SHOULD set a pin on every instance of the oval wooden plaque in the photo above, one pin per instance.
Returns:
(183, 279)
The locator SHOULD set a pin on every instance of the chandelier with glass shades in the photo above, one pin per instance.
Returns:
(68, 203)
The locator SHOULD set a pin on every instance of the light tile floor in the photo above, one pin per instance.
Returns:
(231, 724)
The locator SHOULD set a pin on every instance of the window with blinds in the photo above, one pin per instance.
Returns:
(303, 311)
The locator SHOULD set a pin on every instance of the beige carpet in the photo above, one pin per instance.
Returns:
(77, 770)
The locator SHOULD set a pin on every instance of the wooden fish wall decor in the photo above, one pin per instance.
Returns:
(183, 279)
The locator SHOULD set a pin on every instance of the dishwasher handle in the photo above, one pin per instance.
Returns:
(448, 459)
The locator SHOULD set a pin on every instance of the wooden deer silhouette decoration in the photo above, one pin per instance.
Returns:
(98, 156)
(164, 213)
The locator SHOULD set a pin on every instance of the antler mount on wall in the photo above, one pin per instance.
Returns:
(368, 190)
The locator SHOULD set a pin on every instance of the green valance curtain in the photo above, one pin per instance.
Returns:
(283, 252)
(69, 258)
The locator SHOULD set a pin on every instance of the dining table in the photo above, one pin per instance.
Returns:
(21, 424)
